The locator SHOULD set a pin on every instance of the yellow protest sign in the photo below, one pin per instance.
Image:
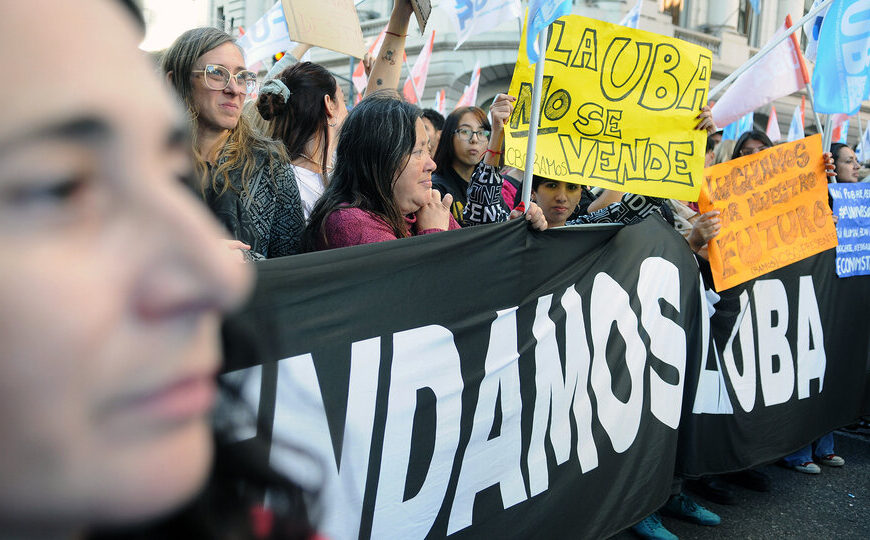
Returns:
(618, 109)
(774, 211)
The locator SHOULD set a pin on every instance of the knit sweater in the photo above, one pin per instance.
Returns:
(268, 216)
(354, 226)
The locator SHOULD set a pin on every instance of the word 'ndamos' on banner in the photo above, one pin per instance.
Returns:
(774, 211)
(618, 109)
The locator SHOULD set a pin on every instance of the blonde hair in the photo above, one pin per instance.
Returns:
(243, 140)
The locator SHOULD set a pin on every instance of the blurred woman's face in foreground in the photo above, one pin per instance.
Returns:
(112, 280)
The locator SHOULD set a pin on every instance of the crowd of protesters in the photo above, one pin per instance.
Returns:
(105, 413)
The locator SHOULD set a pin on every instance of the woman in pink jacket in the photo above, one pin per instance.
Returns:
(381, 188)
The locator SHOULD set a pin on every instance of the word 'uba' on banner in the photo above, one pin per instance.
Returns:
(618, 109)
(774, 211)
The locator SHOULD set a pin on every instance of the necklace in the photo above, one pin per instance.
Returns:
(308, 158)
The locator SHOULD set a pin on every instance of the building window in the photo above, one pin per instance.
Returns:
(220, 20)
(747, 22)
(675, 9)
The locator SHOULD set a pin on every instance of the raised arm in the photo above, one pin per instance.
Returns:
(387, 67)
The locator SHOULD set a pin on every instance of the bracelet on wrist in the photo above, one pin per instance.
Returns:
(395, 34)
(493, 152)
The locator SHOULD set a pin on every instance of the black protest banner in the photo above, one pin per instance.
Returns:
(788, 360)
(487, 382)
(493, 382)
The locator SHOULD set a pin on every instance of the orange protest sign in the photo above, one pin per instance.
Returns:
(774, 211)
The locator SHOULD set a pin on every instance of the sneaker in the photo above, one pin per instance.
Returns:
(809, 468)
(832, 460)
(651, 528)
(713, 489)
(684, 507)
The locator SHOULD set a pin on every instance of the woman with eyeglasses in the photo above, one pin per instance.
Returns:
(244, 177)
(463, 144)
(751, 142)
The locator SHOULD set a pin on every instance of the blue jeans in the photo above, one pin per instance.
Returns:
(821, 448)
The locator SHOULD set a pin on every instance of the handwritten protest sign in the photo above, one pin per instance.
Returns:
(618, 109)
(331, 24)
(774, 211)
(852, 208)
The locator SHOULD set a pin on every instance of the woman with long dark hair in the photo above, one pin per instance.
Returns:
(381, 187)
(846, 165)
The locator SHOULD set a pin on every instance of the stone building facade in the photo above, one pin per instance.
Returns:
(729, 28)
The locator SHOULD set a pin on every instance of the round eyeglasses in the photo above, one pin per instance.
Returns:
(468, 134)
(218, 78)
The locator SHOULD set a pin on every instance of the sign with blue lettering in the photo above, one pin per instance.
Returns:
(852, 208)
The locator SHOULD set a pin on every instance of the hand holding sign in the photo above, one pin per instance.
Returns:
(705, 121)
(705, 227)
(500, 111)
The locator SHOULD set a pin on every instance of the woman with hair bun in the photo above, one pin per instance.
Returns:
(305, 107)
(244, 177)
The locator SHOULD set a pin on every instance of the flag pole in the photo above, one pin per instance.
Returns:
(719, 88)
(535, 117)
(826, 140)
(811, 96)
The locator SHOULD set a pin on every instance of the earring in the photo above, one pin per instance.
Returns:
(332, 124)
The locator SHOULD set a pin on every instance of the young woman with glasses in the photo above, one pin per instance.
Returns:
(462, 146)
(244, 177)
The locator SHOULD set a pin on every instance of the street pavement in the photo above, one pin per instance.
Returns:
(832, 505)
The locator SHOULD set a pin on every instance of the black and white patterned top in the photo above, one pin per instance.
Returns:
(268, 217)
(485, 205)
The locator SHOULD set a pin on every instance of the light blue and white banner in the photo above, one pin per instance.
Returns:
(852, 208)
(267, 36)
(841, 79)
(477, 16)
(812, 29)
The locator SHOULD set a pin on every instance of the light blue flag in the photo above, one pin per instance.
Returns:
(541, 14)
(841, 79)
(756, 5)
(734, 130)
